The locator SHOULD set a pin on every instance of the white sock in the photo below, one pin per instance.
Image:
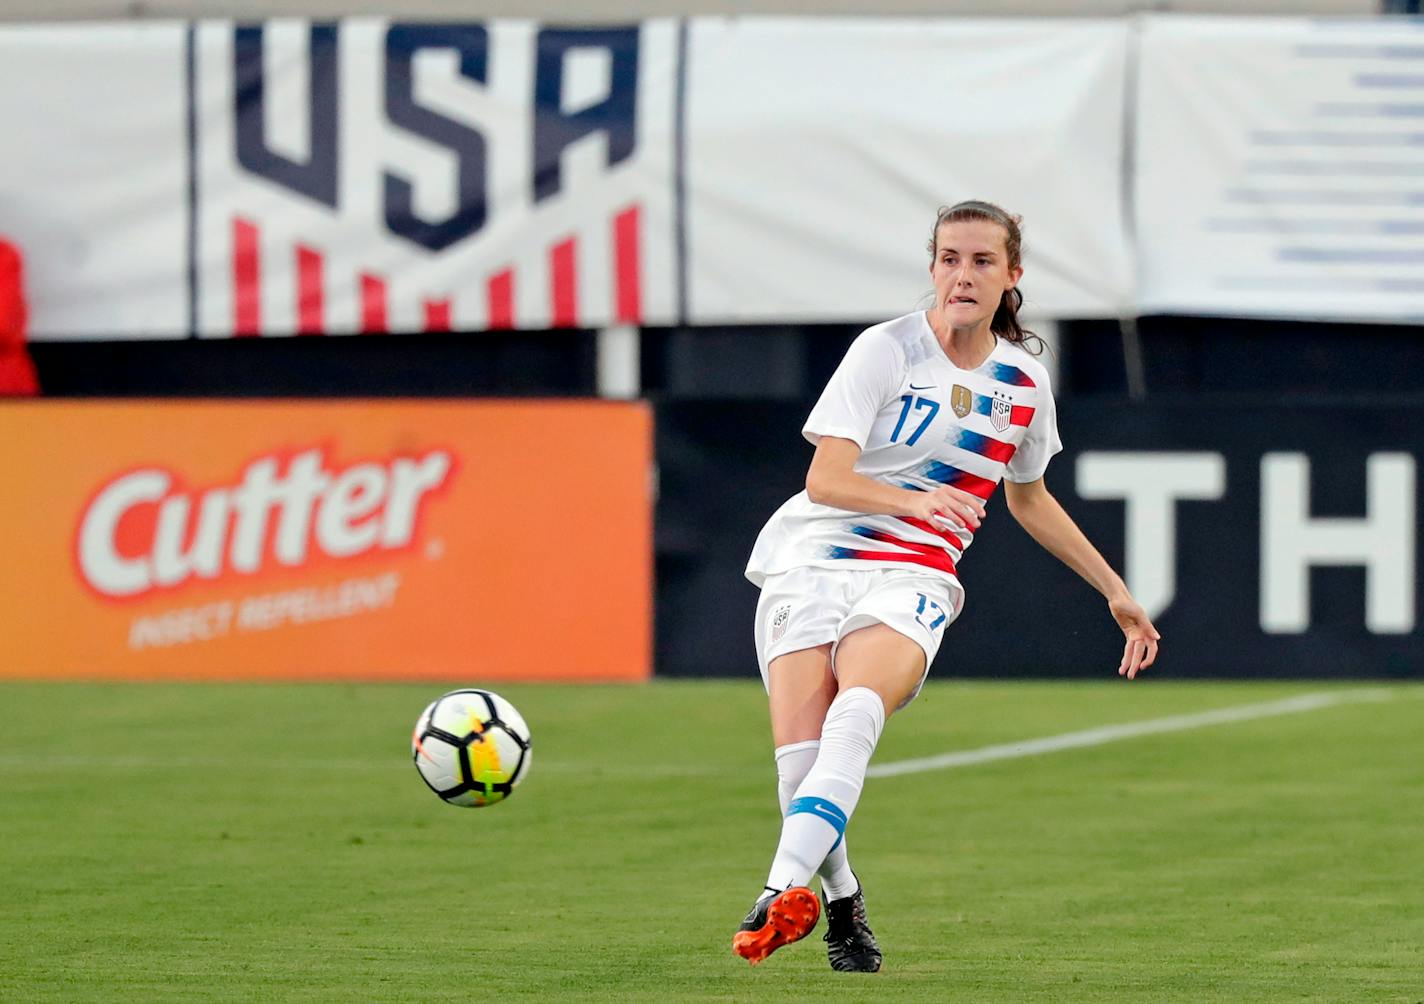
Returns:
(817, 816)
(793, 763)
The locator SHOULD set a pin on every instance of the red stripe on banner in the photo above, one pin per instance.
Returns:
(563, 284)
(437, 315)
(948, 535)
(373, 305)
(1020, 415)
(627, 266)
(500, 293)
(309, 291)
(246, 279)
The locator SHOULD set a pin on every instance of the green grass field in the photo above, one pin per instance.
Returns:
(273, 843)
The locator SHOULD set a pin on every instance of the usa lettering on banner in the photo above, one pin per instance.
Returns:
(371, 175)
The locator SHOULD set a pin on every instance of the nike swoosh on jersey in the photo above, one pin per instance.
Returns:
(928, 386)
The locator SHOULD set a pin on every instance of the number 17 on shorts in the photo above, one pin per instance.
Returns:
(929, 613)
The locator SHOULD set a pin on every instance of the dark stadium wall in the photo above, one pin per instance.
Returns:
(490, 364)
(726, 466)
(1181, 355)
(1249, 356)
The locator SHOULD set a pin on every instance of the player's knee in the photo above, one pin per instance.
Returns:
(855, 721)
(793, 762)
(881, 659)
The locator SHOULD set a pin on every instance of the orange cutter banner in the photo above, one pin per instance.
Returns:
(376, 540)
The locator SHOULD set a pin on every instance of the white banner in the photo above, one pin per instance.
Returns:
(1280, 168)
(376, 176)
(368, 175)
(94, 179)
(819, 150)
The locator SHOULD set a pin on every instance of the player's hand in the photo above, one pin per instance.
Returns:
(1140, 649)
(953, 507)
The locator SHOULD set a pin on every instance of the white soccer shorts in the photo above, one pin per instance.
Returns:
(806, 607)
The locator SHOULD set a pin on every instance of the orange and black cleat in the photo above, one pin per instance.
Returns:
(776, 920)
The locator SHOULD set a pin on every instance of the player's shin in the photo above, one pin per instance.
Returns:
(817, 816)
(837, 879)
(793, 763)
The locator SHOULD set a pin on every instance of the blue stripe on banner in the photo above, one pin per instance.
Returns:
(1350, 168)
(1355, 256)
(817, 806)
(1360, 51)
(1245, 225)
(1353, 138)
(1389, 80)
(1326, 197)
(1275, 283)
(1349, 109)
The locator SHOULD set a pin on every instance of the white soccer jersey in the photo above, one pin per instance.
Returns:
(920, 422)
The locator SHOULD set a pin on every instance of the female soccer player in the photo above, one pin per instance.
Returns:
(924, 417)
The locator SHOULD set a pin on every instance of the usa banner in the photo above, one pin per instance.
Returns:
(373, 175)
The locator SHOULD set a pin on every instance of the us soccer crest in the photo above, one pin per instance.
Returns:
(961, 399)
(779, 621)
(1000, 411)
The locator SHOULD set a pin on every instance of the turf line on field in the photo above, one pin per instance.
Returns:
(36, 759)
(1131, 730)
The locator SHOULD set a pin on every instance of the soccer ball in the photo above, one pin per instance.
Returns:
(471, 747)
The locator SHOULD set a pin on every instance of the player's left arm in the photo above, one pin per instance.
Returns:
(1038, 512)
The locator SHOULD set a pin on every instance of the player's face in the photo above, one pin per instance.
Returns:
(971, 271)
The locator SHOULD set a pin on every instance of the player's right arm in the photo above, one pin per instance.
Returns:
(833, 481)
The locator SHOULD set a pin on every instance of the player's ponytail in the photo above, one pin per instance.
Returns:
(1005, 323)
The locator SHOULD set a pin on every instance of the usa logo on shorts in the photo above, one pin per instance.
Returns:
(779, 621)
